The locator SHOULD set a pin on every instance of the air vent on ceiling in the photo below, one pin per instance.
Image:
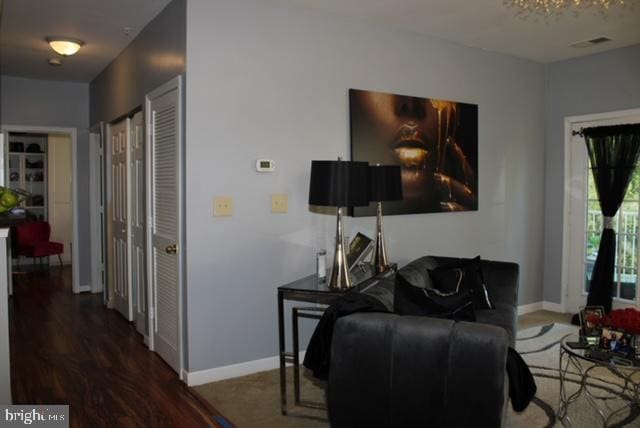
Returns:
(591, 42)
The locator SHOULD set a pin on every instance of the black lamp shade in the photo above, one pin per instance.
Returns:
(339, 183)
(386, 183)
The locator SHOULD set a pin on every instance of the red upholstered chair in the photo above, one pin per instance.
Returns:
(32, 240)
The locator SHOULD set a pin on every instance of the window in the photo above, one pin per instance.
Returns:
(625, 224)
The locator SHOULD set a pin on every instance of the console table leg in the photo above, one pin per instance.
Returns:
(296, 356)
(283, 378)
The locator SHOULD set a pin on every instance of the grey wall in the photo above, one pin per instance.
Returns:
(265, 81)
(64, 104)
(598, 83)
(155, 56)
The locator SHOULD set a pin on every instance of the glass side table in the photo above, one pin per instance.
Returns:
(309, 290)
(577, 363)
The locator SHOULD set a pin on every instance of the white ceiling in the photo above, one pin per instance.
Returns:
(99, 23)
(486, 24)
(489, 24)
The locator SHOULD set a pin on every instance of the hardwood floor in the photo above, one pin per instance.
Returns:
(70, 349)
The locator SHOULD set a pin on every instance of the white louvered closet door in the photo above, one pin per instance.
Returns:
(164, 118)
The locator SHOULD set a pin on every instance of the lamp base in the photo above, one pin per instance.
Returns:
(380, 258)
(340, 279)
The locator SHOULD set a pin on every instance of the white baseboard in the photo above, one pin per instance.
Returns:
(84, 288)
(553, 307)
(528, 308)
(201, 377)
(537, 306)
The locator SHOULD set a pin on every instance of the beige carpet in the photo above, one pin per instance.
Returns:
(254, 400)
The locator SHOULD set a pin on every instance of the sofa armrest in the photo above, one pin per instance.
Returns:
(502, 281)
(389, 370)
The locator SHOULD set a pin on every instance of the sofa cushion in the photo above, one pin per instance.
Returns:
(447, 281)
(410, 300)
(463, 275)
(415, 273)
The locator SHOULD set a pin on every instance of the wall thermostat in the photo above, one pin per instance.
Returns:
(265, 165)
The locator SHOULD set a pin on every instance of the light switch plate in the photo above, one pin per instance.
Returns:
(222, 206)
(279, 203)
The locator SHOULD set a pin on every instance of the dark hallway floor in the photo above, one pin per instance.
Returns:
(70, 349)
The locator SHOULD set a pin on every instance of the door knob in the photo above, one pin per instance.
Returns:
(171, 249)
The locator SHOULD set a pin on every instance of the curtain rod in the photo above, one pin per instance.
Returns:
(574, 133)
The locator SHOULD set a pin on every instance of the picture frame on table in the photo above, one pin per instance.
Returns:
(359, 247)
(617, 342)
(590, 330)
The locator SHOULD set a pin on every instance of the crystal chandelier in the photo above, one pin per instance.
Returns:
(556, 7)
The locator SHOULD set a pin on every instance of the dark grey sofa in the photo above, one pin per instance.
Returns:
(403, 371)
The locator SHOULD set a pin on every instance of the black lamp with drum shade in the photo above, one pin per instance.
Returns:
(338, 183)
(386, 185)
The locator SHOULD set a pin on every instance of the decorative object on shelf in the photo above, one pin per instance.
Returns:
(16, 147)
(547, 8)
(359, 247)
(34, 148)
(34, 165)
(386, 185)
(339, 184)
(435, 143)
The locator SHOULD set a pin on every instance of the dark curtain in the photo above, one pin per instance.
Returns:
(613, 152)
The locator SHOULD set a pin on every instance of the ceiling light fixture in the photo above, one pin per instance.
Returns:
(64, 45)
(548, 8)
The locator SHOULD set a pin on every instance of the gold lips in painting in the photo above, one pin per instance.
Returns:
(434, 141)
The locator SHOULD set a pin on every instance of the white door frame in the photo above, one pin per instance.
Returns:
(569, 122)
(97, 209)
(73, 132)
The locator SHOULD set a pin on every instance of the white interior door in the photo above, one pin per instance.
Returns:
(164, 121)
(119, 263)
(584, 235)
(60, 192)
(138, 224)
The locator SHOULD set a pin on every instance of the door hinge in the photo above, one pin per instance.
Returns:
(152, 314)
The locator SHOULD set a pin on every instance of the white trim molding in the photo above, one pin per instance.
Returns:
(528, 308)
(201, 377)
(553, 307)
(539, 306)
